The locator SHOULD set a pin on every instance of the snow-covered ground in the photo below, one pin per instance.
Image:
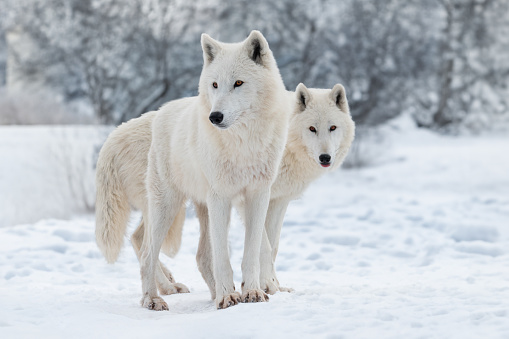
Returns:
(415, 247)
(47, 171)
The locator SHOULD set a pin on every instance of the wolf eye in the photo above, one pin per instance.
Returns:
(238, 83)
(214, 84)
(312, 129)
(332, 128)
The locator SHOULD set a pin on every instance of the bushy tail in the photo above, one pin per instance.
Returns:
(112, 209)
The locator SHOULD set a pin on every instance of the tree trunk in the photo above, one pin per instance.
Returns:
(440, 118)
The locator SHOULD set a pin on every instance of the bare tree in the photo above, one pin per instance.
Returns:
(442, 61)
(107, 51)
(378, 50)
(469, 49)
(3, 56)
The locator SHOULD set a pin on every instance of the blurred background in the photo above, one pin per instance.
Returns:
(441, 64)
(444, 62)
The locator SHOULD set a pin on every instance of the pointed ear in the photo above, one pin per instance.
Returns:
(257, 47)
(338, 95)
(303, 96)
(210, 48)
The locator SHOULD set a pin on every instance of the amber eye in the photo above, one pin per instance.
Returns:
(238, 83)
(312, 129)
(332, 128)
(214, 84)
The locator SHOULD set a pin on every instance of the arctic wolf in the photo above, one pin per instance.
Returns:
(320, 135)
(224, 144)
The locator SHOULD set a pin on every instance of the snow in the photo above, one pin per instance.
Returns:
(415, 247)
(47, 171)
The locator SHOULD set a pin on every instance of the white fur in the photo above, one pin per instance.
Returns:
(190, 158)
(120, 181)
(299, 167)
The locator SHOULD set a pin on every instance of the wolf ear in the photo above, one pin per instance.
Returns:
(257, 47)
(210, 48)
(303, 96)
(338, 95)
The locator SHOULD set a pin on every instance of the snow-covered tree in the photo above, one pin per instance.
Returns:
(473, 63)
(445, 62)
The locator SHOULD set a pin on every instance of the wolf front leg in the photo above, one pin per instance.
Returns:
(270, 242)
(256, 206)
(164, 203)
(268, 281)
(219, 209)
(274, 223)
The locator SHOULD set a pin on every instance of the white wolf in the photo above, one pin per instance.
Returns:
(320, 135)
(224, 144)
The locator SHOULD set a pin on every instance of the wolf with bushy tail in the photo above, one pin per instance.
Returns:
(224, 145)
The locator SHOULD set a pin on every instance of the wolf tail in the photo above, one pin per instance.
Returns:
(112, 207)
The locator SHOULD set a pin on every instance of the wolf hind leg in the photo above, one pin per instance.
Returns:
(164, 204)
(164, 278)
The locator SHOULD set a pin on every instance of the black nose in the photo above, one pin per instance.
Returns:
(324, 158)
(216, 117)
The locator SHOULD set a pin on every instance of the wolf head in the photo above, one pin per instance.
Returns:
(323, 124)
(238, 80)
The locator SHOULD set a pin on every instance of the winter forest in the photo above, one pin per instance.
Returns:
(444, 62)
(408, 239)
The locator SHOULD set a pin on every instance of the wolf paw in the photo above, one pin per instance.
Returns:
(154, 303)
(227, 300)
(181, 288)
(270, 285)
(254, 296)
(172, 288)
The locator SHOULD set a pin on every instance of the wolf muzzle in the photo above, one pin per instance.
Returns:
(324, 160)
(216, 118)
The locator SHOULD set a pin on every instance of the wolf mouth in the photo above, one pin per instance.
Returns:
(221, 126)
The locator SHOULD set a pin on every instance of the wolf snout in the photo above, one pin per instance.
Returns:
(324, 160)
(216, 118)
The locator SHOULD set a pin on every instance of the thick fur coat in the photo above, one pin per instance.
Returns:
(192, 155)
(320, 135)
